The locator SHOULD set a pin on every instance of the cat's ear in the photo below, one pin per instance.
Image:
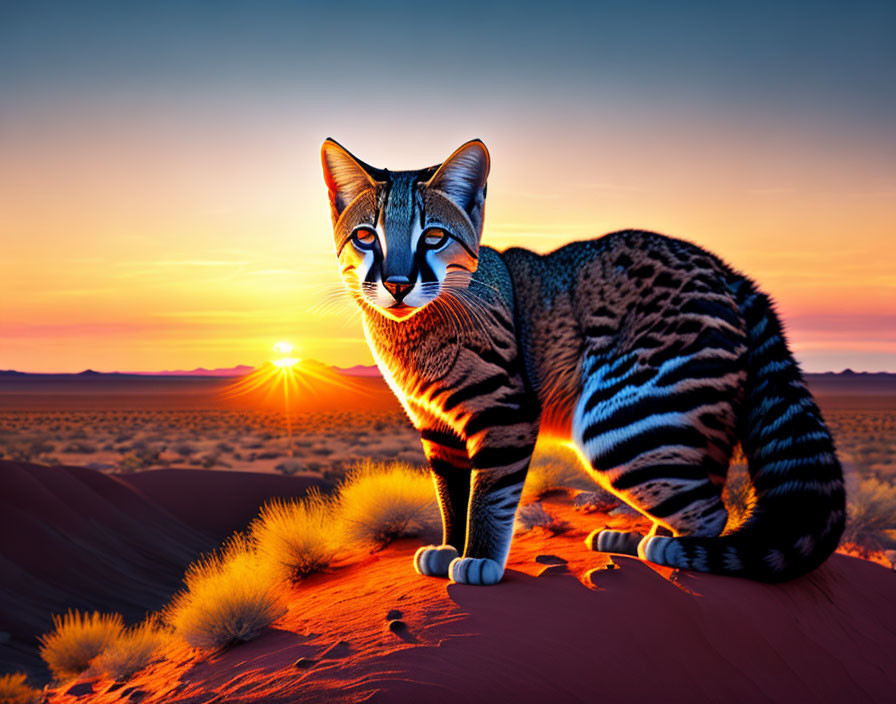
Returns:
(345, 175)
(462, 178)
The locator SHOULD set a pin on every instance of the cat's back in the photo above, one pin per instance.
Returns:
(628, 271)
(606, 293)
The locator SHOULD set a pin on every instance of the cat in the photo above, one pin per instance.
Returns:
(649, 353)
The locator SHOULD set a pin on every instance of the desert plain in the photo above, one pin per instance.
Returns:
(114, 484)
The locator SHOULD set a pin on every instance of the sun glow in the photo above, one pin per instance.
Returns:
(288, 376)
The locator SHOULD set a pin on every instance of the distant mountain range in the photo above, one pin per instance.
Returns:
(237, 371)
(365, 371)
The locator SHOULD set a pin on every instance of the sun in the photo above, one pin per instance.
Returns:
(286, 361)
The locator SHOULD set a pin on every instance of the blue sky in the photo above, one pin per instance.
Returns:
(140, 134)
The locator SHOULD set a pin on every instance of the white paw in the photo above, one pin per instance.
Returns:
(474, 570)
(604, 540)
(434, 560)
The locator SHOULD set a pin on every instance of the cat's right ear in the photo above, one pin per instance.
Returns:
(345, 176)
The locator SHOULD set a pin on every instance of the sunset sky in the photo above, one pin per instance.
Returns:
(162, 205)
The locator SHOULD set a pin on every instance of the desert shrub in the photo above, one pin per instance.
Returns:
(229, 598)
(76, 639)
(297, 538)
(597, 500)
(209, 460)
(381, 502)
(288, 467)
(739, 496)
(132, 650)
(184, 450)
(80, 448)
(534, 516)
(555, 467)
(871, 512)
(30, 450)
(14, 689)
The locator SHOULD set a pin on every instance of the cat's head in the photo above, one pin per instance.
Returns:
(404, 238)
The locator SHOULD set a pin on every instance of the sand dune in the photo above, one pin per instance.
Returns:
(556, 634)
(215, 503)
(76, 538)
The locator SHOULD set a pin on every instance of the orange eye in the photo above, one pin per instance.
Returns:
(434, 239)
(364, 239)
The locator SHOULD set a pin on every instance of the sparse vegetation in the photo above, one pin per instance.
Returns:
(555, 467)
(871, 507)
(738, 496)
(534, 516)
(14, 689)
(297, 538)
(230, 597)
(381, 502)
(132, 650)
(133, 441)
(76, 639)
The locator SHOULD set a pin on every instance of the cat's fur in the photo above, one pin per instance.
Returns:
(653, 356)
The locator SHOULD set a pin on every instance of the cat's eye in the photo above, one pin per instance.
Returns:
(435, 238)
(364, 238)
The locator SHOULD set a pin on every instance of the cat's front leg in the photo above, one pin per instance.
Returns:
(499, 472)
(450, 467)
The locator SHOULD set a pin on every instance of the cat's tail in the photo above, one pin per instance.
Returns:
(799, 511)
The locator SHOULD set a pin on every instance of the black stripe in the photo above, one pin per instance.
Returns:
(488, 457)
(600, 330)
(517, 477)
(608, 392)
(681, 501)
(443, 438)
(699, 369)
(622, 368)
(444, 467)
(664, 436)
(715, 309)
(646, 406)
(480, 388)
(634, 477)
(501, 416)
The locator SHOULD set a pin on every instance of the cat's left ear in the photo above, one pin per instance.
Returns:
(462, 178)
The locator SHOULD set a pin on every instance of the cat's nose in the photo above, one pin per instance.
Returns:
(398, 286)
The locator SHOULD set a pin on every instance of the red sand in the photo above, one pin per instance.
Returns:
(76, 538)
(639, 635)
(216, 503)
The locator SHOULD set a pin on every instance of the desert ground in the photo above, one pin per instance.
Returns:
(113, 487)
(136, 424)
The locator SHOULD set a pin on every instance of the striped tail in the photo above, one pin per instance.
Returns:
(799, 513)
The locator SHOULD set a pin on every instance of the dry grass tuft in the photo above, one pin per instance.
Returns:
(134, 649)
(76, 639)
(739, 496)
(230, 597)
(381, 502)
(14, 689)
(534, 516)
(297, 538)
(871, 508)
(555, 467)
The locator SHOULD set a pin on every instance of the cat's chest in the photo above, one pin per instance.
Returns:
(426, 363)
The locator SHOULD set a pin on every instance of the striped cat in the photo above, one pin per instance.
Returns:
(650, 353)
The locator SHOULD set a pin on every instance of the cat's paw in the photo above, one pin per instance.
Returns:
(474, 570)
(604, 540)
(434, 560)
